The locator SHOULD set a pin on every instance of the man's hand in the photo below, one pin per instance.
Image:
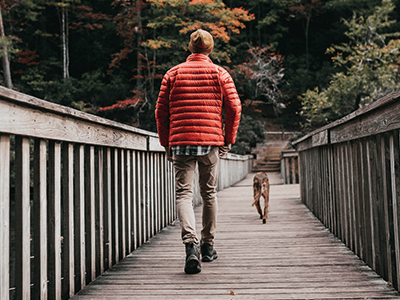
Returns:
(223, 150)
(169, 153)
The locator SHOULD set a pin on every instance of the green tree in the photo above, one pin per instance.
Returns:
(369, 69)
(250, 132)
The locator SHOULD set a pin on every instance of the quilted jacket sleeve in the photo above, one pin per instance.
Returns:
(232, 105)
(162, 111)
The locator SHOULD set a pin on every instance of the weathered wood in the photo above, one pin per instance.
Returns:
(140, 184)
(40, 222)
(154, 144)
(79, 220)
(148, 199)
(291, 257)
(22, 217)
(90, 209)
(128, 203)
(107, 190)
(395, 184)
(120, 208)
(134, 200)
(110, 189)
(36, 123)
(4, 216)
(23, 100)
(375, 122)
(383, 104)
(68, 220)
(115, 206)
(320, 138)
(99, 210)
(364, 195)
(367, 216)
(54, 224)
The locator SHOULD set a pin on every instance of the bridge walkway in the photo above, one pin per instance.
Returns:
(293, 256)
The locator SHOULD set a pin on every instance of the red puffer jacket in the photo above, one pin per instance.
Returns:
(189, 106)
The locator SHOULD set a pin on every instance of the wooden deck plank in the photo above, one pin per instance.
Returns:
(293, 256)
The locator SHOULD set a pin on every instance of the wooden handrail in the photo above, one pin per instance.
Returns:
(82, 191)
(350, 179)
(289, 166)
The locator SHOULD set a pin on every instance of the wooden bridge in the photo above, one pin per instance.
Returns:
(87, 212)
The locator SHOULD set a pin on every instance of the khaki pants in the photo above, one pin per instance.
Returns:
(208, 179)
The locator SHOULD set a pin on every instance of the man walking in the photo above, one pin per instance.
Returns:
(190, 127)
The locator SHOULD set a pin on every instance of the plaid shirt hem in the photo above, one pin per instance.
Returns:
(194, 150)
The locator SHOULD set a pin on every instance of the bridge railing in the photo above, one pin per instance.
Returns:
(290, 166)
(350, 179)
(77, 194)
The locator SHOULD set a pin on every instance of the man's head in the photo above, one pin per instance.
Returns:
(201, 41)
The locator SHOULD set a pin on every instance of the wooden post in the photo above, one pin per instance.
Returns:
(107, 208)
(54, 205)
(40, 223)
(90, 208)
(68, 220)
(99, 211)
(22, 219)
(79, 214)
(4, 216)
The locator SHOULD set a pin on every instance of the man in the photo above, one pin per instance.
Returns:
(190, 127)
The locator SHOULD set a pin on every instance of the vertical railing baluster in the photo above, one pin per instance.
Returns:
(121, 202)
(139, 201)
(134, 199)
(115, 204)
(54, 209)
(90, 207)
(22, 218)
(4, 216)
(147, 171)
(151, 194)
(79, 217)
(128, 203)
(143, 196)
(99, 198)
(68, 220)
(107, 209)
(157, 189)
(162, 189)
(40, 223)
(394, 145)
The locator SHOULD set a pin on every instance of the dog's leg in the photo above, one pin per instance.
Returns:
(257, 204)
(266, 203)
(257, 196)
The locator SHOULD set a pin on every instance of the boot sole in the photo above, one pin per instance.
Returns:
(209, 258)
(192, 265)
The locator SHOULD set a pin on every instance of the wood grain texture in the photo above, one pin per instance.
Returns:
(37, 123)
(22, 218)
(40, 221)
(23, 100)
(293, 256)
(4, 216)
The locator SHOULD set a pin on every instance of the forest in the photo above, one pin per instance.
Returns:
(299, 64)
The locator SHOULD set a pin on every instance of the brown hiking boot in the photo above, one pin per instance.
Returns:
(208, 252)
(192, 265)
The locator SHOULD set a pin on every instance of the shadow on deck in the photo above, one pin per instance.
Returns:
(293, 256)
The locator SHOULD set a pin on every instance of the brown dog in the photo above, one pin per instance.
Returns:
(261, 188)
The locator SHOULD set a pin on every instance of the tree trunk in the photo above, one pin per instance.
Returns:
(6, 62)
(65, 44)
(139, 42)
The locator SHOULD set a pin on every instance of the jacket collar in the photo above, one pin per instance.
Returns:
(198, 56)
